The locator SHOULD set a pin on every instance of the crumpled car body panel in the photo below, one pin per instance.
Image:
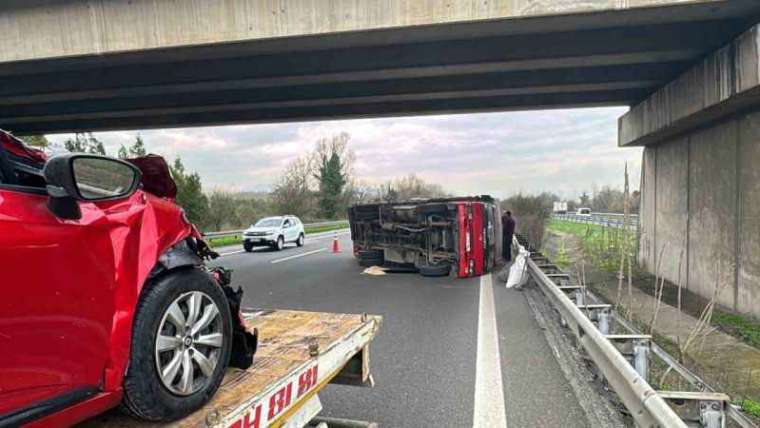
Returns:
(71, 287)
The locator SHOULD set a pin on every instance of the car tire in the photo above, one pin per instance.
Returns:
(248, 247)
(301, 240)
(279, 244)
(163, 306)
(434, 270)
(369, 258)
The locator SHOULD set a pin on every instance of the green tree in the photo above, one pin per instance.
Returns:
(190, 194)
(138, 148)
(85, 142)
(331, 182)
(36, 141)
(221, 210)
(123, 153)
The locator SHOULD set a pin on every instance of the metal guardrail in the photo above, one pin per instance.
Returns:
(593, 323)
(240, 232)
(601, 219)
(646, 407)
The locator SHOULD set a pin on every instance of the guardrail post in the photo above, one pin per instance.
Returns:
(711, 414)
(641, 358)
(580, 298)
(606, 321)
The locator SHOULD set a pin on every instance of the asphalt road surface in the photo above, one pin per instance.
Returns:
(450, 352)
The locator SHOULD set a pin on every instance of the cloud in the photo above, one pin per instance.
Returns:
(563, 151)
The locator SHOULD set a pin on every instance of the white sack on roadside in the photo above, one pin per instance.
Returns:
(518, 273)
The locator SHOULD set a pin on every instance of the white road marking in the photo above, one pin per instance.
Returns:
(295, 256)
(489, 410)
(230, 253)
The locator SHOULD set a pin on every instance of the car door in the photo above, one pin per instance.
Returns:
(287, 228)
(57, 306)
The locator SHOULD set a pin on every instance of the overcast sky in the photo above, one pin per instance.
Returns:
(564, 151)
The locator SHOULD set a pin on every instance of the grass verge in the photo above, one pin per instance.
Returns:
(748, 330)
(601, 245)
(223, 241)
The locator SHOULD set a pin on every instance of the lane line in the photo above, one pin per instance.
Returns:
(295, 256)
(489, 409)
(231, 252)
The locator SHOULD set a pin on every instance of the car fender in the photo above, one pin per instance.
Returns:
(152, 238)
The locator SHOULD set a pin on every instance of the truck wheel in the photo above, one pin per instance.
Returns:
(248, 247)
(300, 240)
(181, 342)
(369, 258)
(434, 270)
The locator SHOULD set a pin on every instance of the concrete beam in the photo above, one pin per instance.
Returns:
(37, 29)
(646, 44)
(643, 76)
(426, 105)
(726, 82)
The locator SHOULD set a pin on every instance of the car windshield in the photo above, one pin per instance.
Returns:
(268, 222)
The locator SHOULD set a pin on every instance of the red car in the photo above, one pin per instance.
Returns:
(106, 299)
(433, 236)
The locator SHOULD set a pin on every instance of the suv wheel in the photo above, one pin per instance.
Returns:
(181, 342)
(300, 240)
(248, 247)
(280, 244)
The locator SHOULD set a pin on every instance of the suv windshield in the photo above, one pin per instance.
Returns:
(268, 222)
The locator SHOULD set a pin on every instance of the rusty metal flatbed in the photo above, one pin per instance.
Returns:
(299, 354)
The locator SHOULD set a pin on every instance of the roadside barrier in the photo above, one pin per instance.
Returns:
(623, 359)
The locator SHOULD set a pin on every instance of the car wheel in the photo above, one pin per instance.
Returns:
(248, 247)
(300, 240)
(181, 342)
(434, 270)
(280, 244)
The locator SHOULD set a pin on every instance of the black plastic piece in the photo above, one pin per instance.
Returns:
(46, 407)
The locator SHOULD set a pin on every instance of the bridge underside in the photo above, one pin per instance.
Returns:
(591, 59)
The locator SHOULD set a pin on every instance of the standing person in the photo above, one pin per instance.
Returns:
(507, 230)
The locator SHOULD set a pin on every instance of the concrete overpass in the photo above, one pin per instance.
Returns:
(689, 68)
(105, 64)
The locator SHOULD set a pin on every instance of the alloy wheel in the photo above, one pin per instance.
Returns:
(188, 343)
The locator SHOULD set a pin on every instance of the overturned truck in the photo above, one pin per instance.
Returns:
(434, 236)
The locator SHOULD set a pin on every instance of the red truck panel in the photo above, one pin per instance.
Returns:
(471, 221)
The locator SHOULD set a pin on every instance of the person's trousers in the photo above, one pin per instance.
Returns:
(506, 248)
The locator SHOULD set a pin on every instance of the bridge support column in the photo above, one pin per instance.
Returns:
(700, 178)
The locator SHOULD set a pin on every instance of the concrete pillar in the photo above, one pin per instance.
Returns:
(701, 175)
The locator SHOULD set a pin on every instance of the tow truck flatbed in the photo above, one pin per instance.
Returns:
(299, 354)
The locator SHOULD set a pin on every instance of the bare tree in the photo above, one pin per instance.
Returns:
(291, 193)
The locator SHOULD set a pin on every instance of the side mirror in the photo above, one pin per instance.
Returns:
(76, 177)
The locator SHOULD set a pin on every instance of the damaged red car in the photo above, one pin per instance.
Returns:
(106, 298)
(432, 236)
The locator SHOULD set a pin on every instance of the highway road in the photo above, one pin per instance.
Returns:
(450, 353)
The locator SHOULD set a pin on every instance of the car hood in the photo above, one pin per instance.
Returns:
(17, 148)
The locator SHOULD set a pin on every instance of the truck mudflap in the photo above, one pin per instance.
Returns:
(299, 354)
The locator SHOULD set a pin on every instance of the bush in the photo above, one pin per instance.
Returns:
(531, 214)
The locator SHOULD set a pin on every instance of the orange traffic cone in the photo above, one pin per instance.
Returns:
(336, 245)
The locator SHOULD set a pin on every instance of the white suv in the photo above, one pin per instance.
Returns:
(274, 232)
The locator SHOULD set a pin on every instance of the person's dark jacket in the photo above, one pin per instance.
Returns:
(507, 225)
